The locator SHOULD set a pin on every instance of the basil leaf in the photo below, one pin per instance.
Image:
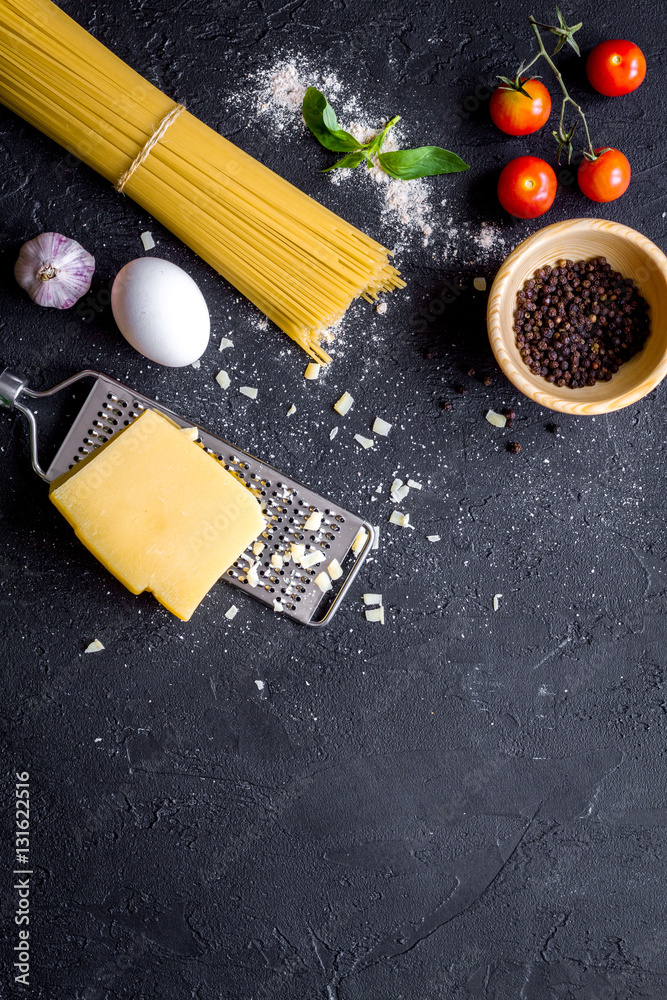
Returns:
(425, 161)
(321, 119)
(351, 160)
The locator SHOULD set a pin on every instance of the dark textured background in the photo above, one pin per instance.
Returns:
(463, 804)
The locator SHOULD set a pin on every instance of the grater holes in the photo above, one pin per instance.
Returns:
(137, 405)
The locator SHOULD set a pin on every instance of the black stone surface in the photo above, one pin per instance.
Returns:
(462, 804)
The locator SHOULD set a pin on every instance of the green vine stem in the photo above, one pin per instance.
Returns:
(564, 138)
(564, 34)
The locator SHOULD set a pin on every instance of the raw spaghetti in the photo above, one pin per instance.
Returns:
(295, 260)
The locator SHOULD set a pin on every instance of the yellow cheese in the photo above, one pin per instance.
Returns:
(159, 512)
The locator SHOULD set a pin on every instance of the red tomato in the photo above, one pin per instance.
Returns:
(527, 187)
(616, 67)
(516, 114)
(606, 178)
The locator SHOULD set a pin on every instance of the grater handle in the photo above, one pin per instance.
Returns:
(12, 385)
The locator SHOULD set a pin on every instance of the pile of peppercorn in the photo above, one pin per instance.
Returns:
(576, 323)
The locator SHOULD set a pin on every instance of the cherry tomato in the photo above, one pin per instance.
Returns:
(616, 67)
(527, 187)
(606, 178)
(516, 114)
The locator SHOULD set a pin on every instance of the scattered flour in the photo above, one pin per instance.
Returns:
(406, 206)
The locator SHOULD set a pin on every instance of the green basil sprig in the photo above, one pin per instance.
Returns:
(405, 164)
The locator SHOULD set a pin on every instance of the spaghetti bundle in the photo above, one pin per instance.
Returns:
(295, 260)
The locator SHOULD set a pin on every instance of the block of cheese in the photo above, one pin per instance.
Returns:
(159, 512)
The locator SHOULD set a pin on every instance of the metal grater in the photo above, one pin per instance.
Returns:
(287, 504)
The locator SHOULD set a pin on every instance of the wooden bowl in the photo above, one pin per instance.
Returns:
(580, 239)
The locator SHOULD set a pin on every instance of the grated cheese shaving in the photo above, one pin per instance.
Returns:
(400, 493)
(251, 575)
(372, 598)
(277, 606)
(147, 240)
(335, 569)
(291, 410)
(496, 601)
(258, 548)
(433, 538)
(297, 550)
(190, 432)
(323, 582)
(413, 485)
(376, 538)
(381, 426)
(479, 284)
(277, 560)
(396, 517)
(196, 365)
(364, 441)
(332, 433)
(360, 540)
(231, 612)
(344, 404)
(248, 391)
(312, 371)
(375, 615)
(223, 380)
(497, 419)
(311, 559)
(94, 647)
(314, 521)
(225, 343)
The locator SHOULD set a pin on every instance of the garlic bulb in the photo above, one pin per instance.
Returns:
(54, 270)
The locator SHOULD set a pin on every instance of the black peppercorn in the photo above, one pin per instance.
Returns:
(565, 334)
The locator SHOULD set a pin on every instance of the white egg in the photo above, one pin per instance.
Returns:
(161, 312)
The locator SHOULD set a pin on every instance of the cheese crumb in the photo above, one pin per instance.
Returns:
(376, 536)
(433, 538)
(364, 441)
(314, 521)
(225, 343)
(94, 647)
(311, 559)
(372, 598)
(381, 426)
(496, 601)
(399, 493)
(258, 548)
(196, 365)
(246, 390)
(332, 433)
(223, 380)
(312, 371)
(251, 576)
(480, 284)
(344, 404)
(297, 550)
(396, 517)
(497, 419)
(277, 560)
(147, 240)
(278, 604)
(381, 308)
(335, 569)
(231, 612)
(375, 615)
(413, 485)
(359, 541)
(323, 582)
(291, 410)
